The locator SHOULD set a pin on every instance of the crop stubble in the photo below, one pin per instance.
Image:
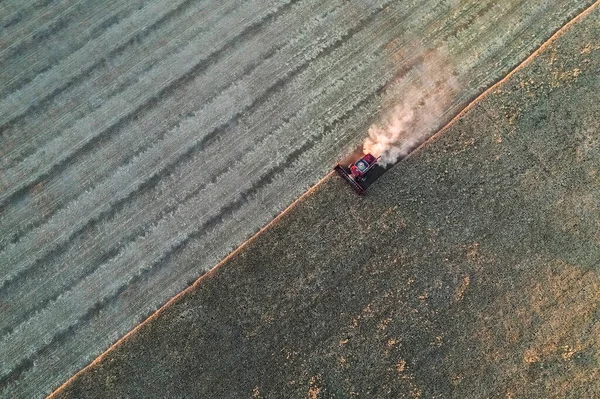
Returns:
(138, 219)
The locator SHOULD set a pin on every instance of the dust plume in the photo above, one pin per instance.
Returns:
(419, 102)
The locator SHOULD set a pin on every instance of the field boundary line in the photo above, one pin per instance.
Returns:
(314, 189)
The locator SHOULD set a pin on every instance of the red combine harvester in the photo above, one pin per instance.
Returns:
(356, 173)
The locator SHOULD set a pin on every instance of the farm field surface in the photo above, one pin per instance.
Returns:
(142, 141)
(471, 270)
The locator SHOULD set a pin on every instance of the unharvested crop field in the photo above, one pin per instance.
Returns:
(141, 141)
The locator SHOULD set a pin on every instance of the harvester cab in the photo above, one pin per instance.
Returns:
(360, 168)
(357, 173)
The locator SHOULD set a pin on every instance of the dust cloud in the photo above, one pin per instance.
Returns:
(419, 102)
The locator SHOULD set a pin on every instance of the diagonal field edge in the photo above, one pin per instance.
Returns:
(196, 142)
(313, 190)
(21, 217)
(143, 263)
(123, 241)
(228, 209)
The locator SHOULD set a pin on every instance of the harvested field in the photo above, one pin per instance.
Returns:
(142, 141)
(470, 271)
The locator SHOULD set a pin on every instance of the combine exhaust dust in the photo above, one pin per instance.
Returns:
(416, 107)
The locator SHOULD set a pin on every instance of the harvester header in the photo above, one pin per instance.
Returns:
(358, 173)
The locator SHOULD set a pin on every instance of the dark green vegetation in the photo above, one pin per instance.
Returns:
(471, 270)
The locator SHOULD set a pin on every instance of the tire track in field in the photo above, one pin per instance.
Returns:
(83, 60)
(109, 78)
(84, 22)
(178, 186)
(112, 276)
(150, 196)
(159, 81)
